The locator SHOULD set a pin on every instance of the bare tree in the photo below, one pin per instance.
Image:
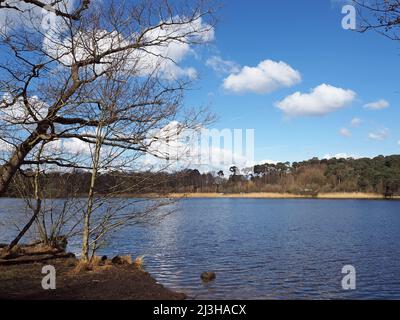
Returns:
(36, 206)
(50, 76)
(54, 6)
(382, 16)
(55, 220)
(103, 215)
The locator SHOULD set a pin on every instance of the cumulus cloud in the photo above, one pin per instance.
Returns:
(167, 47)
(70, 146)
(267, 77)
(167, 57)
(355, 122)
(174, 147)
(379, 135)
(164, 56)
(5, 146)
(222, 66)
(266, 161)
(16, 112)
(345, 132)
(22, 14)
(319, 101)
(377, 105)
(76, 146)
(342, 155)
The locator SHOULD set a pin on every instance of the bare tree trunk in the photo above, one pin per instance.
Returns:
(88, 214)
(9, 169)
(27, 226)
(38, 205)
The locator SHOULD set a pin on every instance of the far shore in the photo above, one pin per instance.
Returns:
(254, 195)
(270, 195)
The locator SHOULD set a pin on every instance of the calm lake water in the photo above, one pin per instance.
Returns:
(267, 249)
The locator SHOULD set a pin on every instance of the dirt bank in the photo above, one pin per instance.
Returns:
(111, 282)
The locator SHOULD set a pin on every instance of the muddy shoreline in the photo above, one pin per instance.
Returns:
(107, 282)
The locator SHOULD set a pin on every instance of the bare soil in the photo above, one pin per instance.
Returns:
(108, 282)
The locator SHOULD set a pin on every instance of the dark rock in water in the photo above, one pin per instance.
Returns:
(208, 276)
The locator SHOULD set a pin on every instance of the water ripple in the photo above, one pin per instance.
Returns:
(270, 249)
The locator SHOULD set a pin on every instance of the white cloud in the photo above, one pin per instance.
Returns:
(164, 59)
(11, 15)
(377, 105)
(321, 100)
(355, 122)
(266, 161)
(267, 77)
(167, 57)
(342, 155)
(345, 132)
(17, 112)
(222, 66)
(70, 146)
(30, 17)
(174, 147)
(5, 146)
(379, 135)
(76, 146)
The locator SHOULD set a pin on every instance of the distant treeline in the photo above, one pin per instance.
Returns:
(378, 175)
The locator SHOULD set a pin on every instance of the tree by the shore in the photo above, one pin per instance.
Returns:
(92, 85)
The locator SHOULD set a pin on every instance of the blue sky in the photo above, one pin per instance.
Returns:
(309, 38)
(288, 70)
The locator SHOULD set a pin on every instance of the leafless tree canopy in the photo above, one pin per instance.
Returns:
(382, 16)
(20, 6)
(66, 70)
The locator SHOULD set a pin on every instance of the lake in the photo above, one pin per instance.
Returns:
(267, 249)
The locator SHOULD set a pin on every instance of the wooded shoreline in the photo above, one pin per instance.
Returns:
(268, 195)
(264, 195)
(249, 195)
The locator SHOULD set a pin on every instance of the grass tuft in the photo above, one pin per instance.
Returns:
(139, 262)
